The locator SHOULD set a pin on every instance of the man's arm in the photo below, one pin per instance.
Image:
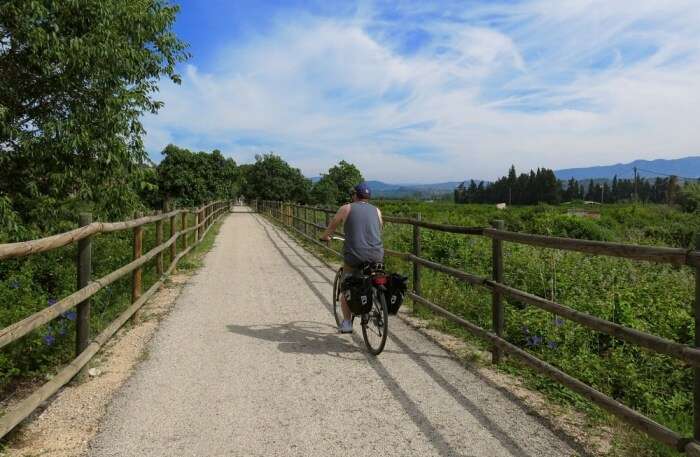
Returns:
(381, 221)
(338, 219)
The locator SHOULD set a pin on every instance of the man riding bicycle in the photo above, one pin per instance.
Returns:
(363, 239)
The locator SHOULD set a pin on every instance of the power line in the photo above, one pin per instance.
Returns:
(666, 174)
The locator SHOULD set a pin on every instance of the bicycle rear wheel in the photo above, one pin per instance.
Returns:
(375, 325)
(337, 309)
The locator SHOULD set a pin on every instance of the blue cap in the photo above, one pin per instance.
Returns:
(362, 190)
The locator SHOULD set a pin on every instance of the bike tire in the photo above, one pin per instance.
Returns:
(337, 308)
(378, 306)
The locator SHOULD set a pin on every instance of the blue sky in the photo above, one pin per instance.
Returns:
(436, 90)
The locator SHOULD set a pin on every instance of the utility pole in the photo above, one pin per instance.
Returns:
(510, 196)
(636, 195)
(602, 194)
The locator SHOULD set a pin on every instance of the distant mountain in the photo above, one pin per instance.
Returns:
(688, 167)
(385, 190)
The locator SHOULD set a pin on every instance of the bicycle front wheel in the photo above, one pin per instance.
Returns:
(375, 325)
(337, 309)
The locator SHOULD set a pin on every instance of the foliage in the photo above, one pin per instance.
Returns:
(186, 178)
(76, 77)
(690, 197)
(324, 192)
(334, 187)
(271, 178)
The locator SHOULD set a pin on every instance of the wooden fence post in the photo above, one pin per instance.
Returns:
(183, 226)
(696, 391)
(82, 323)
(199, 229)
(136, 276)
(496, 299)
(417, 253)
(328, 222)
(159, 241)
(173, 247)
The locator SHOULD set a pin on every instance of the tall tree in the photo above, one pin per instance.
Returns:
(271, 178)
(334, 186)
(191, 178)
(76, 78)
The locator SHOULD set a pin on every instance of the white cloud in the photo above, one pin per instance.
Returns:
(571, 83)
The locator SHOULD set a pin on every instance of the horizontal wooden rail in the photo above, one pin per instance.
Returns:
(323, 210)
(433, 226)
(26, 325)
(660, 345)
(24, 408)
(314, 241)
(638, 420)
(660, 254)
(653, 342)
(675, 256)
(459, 274)
(25, 248)
(19, 329)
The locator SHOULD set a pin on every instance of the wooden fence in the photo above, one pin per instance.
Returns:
(296, 217)
(87, 287)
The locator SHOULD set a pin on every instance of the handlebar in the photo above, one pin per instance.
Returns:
(339, 238)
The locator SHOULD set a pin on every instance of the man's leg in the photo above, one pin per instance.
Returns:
(347, 315)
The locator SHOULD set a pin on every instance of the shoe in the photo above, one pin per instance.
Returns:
(346, 327)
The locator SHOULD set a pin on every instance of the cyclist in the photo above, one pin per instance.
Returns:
(362, 224)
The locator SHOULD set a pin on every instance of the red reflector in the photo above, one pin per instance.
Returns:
(380, 280)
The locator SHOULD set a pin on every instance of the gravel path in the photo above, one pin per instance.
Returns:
(249, 364)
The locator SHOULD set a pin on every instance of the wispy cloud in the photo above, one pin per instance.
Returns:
(423, 92)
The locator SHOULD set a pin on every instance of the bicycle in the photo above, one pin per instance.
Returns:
(375, 323)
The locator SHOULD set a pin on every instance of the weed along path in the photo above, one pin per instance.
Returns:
(249, 363)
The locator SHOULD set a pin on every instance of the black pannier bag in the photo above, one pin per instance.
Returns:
(395, 292)
(358, 293)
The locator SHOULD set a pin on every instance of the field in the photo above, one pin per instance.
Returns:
(653, 298)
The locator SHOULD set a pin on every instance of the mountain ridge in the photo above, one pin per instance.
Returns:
(684, 167)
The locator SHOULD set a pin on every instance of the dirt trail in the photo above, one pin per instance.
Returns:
(249, 363)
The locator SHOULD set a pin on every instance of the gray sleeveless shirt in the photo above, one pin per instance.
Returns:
(363, 235)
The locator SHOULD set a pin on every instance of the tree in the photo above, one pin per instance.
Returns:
(324, 192)
(690, 197)
(334, 186)
(271, 178)
(190, 179)
(76, 79)
(672, 190)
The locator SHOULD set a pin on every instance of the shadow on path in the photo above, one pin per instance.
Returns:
(507, 394)
(304, 337)
(420, 361)
(420, 420)
(309, 337)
